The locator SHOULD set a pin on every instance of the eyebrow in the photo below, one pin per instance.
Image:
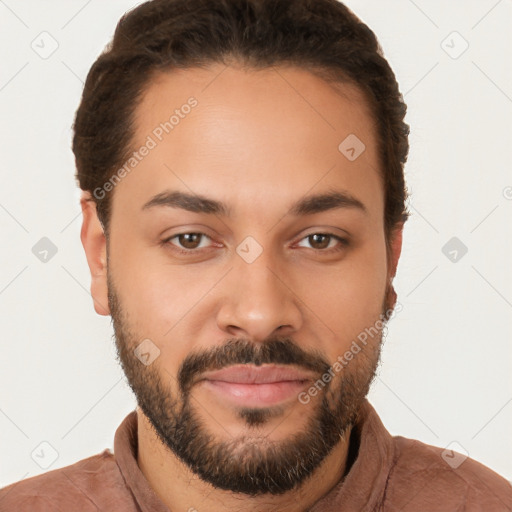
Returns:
(306, 206)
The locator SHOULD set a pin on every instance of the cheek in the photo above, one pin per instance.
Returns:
(154, 291)
(348, 298)
(158, 298)
(163, 300)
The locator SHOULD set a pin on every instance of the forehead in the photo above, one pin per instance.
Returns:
(275, 97)
(275, 131)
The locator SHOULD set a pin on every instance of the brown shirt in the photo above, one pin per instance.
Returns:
(388, 474)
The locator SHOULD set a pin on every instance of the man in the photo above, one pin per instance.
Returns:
(241, 163)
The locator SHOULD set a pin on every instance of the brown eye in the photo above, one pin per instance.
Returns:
(187, 242)
(319, 241)
(190, 240)
(323, 242)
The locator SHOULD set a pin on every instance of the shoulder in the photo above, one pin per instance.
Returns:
(81, 486)
(428, 476)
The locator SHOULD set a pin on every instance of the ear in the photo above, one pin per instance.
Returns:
(395, 249)
(95, 246)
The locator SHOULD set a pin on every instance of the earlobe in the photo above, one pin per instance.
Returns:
(95, 246)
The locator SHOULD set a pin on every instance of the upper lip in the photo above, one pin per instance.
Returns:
(249, 374)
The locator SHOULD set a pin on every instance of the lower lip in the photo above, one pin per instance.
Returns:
(254, 395)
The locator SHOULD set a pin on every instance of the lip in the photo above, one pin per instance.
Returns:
(256, 386)
(249, 374)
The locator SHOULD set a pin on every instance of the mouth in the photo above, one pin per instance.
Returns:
(256, 386)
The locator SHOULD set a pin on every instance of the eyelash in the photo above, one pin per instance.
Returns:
(343, 242)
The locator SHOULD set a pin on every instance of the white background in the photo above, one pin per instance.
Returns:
(447, 361)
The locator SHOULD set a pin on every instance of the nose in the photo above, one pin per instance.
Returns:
(258, 301)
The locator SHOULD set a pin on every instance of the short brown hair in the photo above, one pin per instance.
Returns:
(321, 36)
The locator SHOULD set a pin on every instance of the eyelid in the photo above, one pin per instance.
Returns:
(167, 241)
(342, 241)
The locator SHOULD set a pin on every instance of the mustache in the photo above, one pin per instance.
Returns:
(281, 351)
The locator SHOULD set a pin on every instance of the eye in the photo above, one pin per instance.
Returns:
(323, 241)
(186, 242)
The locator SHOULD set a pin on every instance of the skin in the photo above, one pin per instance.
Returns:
(258, 141)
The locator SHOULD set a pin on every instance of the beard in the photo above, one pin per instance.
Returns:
(250, 464)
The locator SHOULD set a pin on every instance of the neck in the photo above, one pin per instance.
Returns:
(181, 489)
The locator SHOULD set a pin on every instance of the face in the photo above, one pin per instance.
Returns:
(246, 256)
